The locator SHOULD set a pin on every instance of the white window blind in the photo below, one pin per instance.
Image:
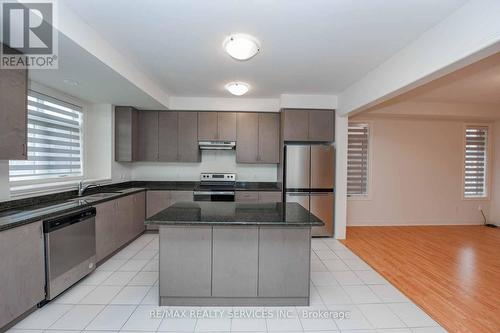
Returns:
(476, 161)
(357, 159)
(54, 141)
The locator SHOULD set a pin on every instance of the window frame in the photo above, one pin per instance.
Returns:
(487, 179)
(368, 195)
(51, 184)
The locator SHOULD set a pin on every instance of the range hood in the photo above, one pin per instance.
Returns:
(217, 145)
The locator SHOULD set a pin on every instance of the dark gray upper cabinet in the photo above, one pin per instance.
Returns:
(217, 126)
(207, 126)
(321, 125)
(148, 136)
(168, 148)
(247, 146)
(14, 111)
(226, 126)
(308, 125)
(188, 150)
(257, 138)
(126, 134)
(269, 129)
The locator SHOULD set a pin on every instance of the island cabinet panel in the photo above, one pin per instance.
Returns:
(191, 276)
(188, 150)
(14, 111)
(284, 262)
(235, 261)
(22, 271)
(148, 136)
(168, 136)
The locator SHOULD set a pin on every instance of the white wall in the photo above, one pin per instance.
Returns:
(211, 161)
(494, 216)
(416, 176)
(99, 145)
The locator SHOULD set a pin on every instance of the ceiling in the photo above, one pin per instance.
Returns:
(478, 83)
(97, 83)
(308, 47)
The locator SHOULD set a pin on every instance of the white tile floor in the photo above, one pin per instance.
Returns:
(120, 295)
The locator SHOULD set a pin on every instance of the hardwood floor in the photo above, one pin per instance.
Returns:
(452, 272)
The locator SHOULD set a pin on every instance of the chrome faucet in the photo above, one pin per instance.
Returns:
(82, 188)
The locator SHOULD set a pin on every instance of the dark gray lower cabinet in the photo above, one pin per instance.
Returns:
(284, 262)
(22, 271)
(118, 222)
(235, 261)
(191, 276)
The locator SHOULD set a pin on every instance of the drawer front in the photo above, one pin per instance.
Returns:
(246, 196)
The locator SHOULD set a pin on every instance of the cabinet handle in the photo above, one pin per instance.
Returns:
(25, 153)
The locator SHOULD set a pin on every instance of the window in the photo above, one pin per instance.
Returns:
(357, 159)
(54, 141)
(476, 162)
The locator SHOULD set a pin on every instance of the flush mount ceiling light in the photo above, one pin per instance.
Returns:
(241, 46)
(237, 88)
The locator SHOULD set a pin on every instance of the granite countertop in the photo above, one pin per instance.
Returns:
(232, 213)
(21, 216)
(28, 210)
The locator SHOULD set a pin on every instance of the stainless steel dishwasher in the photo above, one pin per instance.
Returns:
(70, 251)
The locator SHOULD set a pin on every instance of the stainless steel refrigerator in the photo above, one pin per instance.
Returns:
(309, 181)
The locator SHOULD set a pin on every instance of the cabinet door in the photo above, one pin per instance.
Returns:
(247, 147)
(181, 196)
(14, 111)
(321, 125)
(322, 207)
(156, 201)
(192, 276)
(226, 126)
(295, 125)
(168, 136)
(148, 136)
(270, 196)
(139, 213)
(188, 137)
(246, 196)
(105, 229)
(284, 262)
(235, 261)
(123, 221)
(126, 130)
(22, 278)
(207, 126)
(269, 138)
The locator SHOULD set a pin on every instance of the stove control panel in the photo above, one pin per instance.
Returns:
(219, 177)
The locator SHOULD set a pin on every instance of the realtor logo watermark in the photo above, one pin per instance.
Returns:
(29, 39)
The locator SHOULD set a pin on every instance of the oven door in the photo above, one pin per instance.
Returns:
(226, 196)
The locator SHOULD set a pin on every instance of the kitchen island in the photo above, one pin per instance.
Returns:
(234, 254)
